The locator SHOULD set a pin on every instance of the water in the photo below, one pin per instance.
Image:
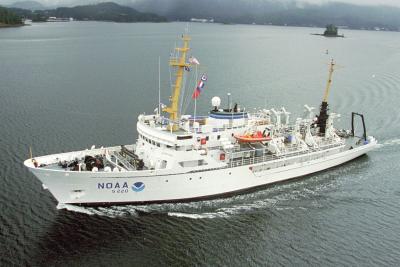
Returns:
(67, 86)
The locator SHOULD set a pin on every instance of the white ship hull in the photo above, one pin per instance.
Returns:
(155, 186)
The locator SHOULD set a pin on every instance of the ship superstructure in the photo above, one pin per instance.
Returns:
(187, 157)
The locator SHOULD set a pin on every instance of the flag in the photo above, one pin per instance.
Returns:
(199, 86)
(193, 61)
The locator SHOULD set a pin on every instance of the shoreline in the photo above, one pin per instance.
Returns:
(3, 25)
(326, 35)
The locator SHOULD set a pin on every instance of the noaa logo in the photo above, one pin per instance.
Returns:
(138, 186)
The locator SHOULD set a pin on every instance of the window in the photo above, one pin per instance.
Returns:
(163, 164)
(192, 163)
(184, 137)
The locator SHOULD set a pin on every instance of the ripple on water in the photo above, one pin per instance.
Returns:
(345, 216)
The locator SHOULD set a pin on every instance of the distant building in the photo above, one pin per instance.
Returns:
(55, 19)
(202, 20)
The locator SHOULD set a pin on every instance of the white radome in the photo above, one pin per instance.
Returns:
(216, 101)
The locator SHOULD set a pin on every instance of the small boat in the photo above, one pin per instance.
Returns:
(257, 136)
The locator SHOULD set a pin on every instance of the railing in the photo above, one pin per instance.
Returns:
(256, 119)
(120, 159)
(220, 129)
(306, 155)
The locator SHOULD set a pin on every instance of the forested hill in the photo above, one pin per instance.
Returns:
(274, 12)
(9, 18)
(282, 12)
(105, 12)
(100, 12)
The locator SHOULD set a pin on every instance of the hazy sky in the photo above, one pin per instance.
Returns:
(360, 2)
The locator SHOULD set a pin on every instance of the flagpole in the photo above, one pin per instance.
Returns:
(159, 85)
(195, 100)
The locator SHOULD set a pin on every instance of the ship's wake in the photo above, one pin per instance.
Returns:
(391, 142)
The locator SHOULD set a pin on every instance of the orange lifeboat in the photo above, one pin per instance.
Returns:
(252, 138)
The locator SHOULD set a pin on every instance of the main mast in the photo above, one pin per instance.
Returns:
(323, 113)
(180, 64)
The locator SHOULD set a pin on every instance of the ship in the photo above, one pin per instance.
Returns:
(55, 19)
(179, 157)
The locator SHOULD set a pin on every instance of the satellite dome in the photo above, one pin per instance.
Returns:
(216, 101)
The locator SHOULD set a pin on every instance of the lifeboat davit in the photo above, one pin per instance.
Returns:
(252, 138)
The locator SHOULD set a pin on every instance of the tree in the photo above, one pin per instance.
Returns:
(331, 30)
(8, 17)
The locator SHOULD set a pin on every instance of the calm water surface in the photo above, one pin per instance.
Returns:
(67, 86)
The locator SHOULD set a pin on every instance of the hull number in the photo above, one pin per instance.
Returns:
(121, 187)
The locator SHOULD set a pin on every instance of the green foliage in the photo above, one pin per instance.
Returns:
(291, 13)
(106, 12)
(38, 17)
(331, 30)
(8, 17)
(99, 12)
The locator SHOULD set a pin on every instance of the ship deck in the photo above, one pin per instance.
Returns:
(117, 159)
